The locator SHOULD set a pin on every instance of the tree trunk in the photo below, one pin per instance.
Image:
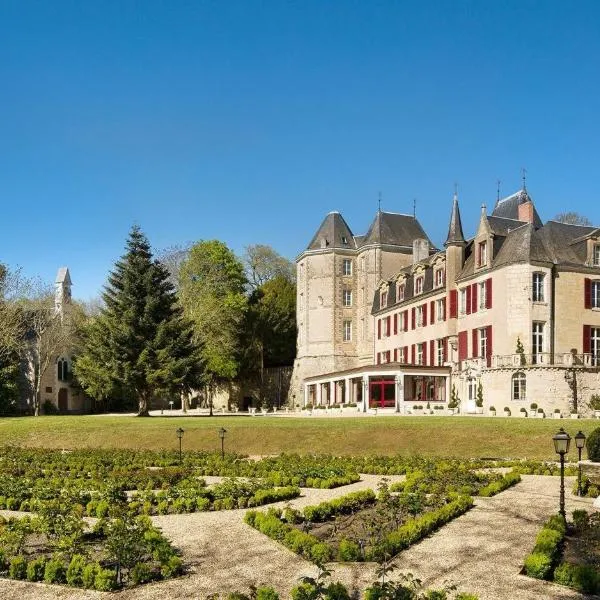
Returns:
(143, 406)
(210, 400)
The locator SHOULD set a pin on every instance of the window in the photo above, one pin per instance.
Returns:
(63, 370)
(347, 267)
(419, 284)
(400, 289)
(419, 316)
(401, 354)
(383, 297)
(537, 294)
(519, 386)
(439, 278)
(347, 297)
(596, 255)
(347, 331)
(440, 309)
(472, 389)
(344, 239)
(595, 345)
(482, 254)
(482, 295)
(419, 354)
(537, 343)
(440, 352)
(48, 390)
(595, 291)
(483, 342)
(462, 306)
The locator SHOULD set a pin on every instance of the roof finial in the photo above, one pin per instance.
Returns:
(455, 191)
(498, 182)
(414, 208)
(524, 177)
(379, 203)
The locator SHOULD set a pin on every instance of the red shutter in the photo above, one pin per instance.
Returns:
(453, 304)
(432, 313)
(395, 354)
(475, 348)
(424, 353)
(425, 314)
(474, 298)
(587, 293)
(587, 346)
(387, 356)
(413, 318)
(378, 329)
(395, 323)
(445, 349)
(405, 320)
(388, 326)
(379, 358)
(462, 345)
(412, 350)
(489, 346)
(432, 356)
(488, 293)
(405, 354)
(444, 309)
(468, 293)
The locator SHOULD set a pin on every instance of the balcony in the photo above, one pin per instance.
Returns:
(566, 359)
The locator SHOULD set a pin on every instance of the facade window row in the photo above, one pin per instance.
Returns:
(420, 316)
(433, 353)
(591, 293)
(480, 346)
(474, 297)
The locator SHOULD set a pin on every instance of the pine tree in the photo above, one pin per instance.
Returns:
(140, 345)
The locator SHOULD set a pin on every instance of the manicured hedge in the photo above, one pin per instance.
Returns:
(500, 485)
(547, 548)
(344, 505)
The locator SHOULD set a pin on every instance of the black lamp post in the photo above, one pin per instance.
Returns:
(179, 433)
(222, 433)
(562, 440)
(580, 444)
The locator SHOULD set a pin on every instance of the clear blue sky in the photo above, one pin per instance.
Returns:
(248, 121)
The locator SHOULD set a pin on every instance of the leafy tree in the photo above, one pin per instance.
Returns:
(572, 218)
(140, 344)
(211, 286)
(263, 264)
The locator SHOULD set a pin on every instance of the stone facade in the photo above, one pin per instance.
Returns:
(516, 283)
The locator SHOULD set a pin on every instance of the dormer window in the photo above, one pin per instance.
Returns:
(439, 278)
(344, 239)
(596, 255)
(383, 298)
(419, 284)
(400, 290)
(482, 254)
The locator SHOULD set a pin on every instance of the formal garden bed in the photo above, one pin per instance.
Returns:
(365, 526)
(568, 553)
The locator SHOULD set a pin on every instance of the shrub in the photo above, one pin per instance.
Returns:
(595, 402)
(557, 523)
(17, 568)
(88, 575)
(266, 593)
(172, 567)
(336, 591)
(593, 445)
(581, 519)
(49, 408)
(320, 553)
(348, 551)
(583, 578)
(35, 569)
(141, 573)
(538, 565)
(106, 580)
(54, 571)
(304, 591)
(75, 570)
(102, 509)
(547, 542)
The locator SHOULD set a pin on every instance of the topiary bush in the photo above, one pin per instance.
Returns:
(538, 565)
(35, 569)
(88, 575)
(55, 571)
(593, 445)
(75, 570)
(17, 568)
(106, 580)
(266, 593)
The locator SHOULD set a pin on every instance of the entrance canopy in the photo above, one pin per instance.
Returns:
(395, 386)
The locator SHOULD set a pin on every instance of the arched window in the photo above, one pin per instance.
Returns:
(519, 386)
(63, 369)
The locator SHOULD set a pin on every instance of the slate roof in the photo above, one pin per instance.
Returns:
(332, 233)
(455, 230)
(395, 229)
(508, 207)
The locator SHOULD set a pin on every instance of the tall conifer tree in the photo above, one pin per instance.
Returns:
(140, 345)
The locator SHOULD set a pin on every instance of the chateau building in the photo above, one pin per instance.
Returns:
(509, 317)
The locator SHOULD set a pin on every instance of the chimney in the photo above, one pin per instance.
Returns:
(526, 211)
(420, 250)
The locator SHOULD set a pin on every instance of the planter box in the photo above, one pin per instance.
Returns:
(532, 413)
(507, 413)
(556, 415)
(492, 413)
(574, 415)
(479, 410)
(597, 414)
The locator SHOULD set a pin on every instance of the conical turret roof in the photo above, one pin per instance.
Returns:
(455, 230)
(333, 233)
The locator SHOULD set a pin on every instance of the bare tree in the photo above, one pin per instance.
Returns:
(572, 218)
(172, 257)
(263, 264)
(12, 325)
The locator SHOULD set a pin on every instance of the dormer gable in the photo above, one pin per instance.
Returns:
(400, 282)
(384, 293)
(483, 243)
(438, 265)
(418, 272)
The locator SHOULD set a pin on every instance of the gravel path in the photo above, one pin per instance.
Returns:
(481, 551)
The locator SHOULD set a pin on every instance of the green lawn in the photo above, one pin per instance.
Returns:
(441, 436)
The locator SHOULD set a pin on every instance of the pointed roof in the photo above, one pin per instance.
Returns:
(63, 276)
(333, 233)
(508, 207)
(394, 229)
(455, 230)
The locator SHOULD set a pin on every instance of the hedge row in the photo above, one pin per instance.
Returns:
(416, 529)
(344, 505)
(500, 485)
(547, 547)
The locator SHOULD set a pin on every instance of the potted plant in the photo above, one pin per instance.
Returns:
(595, 405)
(454, 401)
(533, 409)
(540, 413)
(492, 410)
(479, 399)
(418, 409)
(428, 409)
(523, 411)
(574, 415)
(557, 414)
(521, 352)
(506, 411)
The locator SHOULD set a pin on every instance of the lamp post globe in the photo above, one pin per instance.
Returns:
(562, 441)
(580, 445)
